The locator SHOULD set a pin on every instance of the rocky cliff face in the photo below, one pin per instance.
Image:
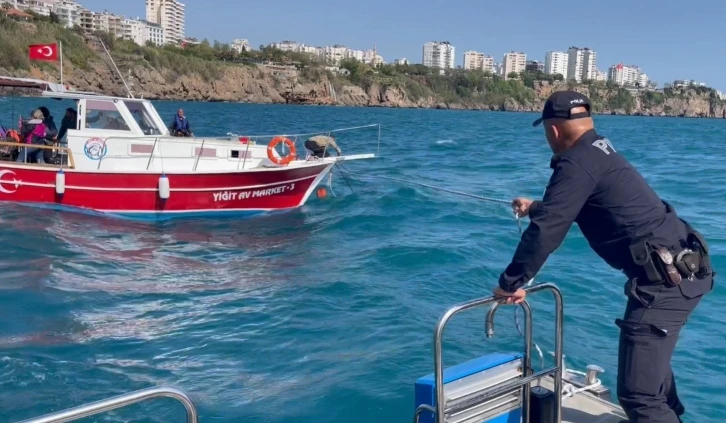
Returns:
(258, 84)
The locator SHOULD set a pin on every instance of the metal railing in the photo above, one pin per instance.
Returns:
(119, 402)
(21, 150)
(440, 410)
(159, 141)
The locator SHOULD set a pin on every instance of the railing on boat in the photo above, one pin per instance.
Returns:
(440, 410)
(245, 142)
(119, 402)
(70, 164)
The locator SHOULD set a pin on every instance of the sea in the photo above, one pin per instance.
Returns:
(326, 314)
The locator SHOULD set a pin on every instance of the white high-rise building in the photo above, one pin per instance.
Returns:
(141, 32)
(556, 63)
(582, 64)
(240, 45)
(514, 61)
(438, 54)
(68, 13)
(170, 14)
(335, 54)
(474, 60)
(627, 75)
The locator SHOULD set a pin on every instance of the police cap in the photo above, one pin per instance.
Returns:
(560, 103)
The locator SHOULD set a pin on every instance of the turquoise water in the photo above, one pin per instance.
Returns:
(326, 314)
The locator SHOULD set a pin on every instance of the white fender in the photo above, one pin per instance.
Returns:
(60, 182)
(164, 190)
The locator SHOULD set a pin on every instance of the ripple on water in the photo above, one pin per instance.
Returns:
(325, 314)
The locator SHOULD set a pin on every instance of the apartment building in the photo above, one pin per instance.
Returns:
(170, 14)
(514, 61)
(108, 22)
(438, 54)
(582, 64)
(298, 47)
(627, 75)
(400, 61)
(69, 13)
(556, 63)
(534, 66)
(85, 20)
(41, 7)
(241, 44)
(334, 54)
(478, 61)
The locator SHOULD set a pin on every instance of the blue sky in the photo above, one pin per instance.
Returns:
(668, 39)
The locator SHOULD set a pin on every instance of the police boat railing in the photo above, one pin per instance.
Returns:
(119, 402)
(494, 385)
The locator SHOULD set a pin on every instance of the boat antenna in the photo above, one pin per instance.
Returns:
(108, 53)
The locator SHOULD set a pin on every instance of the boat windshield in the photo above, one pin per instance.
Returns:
(104, 115)
(142, 117)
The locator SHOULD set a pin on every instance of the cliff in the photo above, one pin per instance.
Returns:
(173, 73)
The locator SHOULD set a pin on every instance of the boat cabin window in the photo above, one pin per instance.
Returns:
(142, 117)
(104, 115)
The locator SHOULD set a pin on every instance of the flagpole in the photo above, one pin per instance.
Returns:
(60, 48)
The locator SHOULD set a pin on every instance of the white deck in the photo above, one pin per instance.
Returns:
(587, 408)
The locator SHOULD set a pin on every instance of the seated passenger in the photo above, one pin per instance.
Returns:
(320, 145)
(51, 129)
(180, 126)
(32, 132)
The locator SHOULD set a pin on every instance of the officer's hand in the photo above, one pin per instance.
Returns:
(505, 297)
(520, 205)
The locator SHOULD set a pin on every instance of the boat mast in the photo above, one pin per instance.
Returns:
(108, 53)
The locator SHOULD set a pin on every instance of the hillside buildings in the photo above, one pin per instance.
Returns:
(556, 63)
(627, 75)
(170, 14)
(581, 64)
(514, 61)
(438, 54)
(478, 61)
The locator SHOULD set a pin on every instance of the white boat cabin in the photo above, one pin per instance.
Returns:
(127, 134)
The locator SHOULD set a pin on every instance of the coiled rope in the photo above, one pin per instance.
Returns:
(468, 195)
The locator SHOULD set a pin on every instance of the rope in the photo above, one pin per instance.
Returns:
(450, 191)
(477, 197)
(352, 128)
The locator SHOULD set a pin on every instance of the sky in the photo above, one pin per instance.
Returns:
(668, 39)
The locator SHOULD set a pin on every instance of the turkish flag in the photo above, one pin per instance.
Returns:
(47, 52)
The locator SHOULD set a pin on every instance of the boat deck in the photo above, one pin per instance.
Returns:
(587, 408)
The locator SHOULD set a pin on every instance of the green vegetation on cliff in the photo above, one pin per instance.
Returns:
(410, 85)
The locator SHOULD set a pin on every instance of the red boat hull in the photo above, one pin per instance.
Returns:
(138, 194)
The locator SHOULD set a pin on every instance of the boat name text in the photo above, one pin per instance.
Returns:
(243, 195)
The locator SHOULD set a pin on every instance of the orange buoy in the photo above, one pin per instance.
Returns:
(322, 192)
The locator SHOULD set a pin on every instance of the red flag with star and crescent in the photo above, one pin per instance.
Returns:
(47, 52)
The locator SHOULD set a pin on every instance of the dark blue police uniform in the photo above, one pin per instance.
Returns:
(626, 223)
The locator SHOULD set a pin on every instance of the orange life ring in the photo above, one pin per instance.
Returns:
(292, 155)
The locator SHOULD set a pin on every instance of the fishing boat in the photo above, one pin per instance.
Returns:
(501, 387)
(121, 160)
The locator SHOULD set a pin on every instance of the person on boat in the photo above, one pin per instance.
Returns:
(70, 121)
(180, 126)
(664, 259)
(320, 145)
(32, 132)
(48, 121)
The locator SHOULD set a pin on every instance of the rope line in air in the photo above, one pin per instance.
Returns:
(344, 171)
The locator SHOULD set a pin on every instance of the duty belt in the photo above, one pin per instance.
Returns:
(669, 266)
(685, 264)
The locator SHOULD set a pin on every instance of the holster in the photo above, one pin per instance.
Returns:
(671, 266)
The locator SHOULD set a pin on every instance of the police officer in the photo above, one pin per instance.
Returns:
(625, 222)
